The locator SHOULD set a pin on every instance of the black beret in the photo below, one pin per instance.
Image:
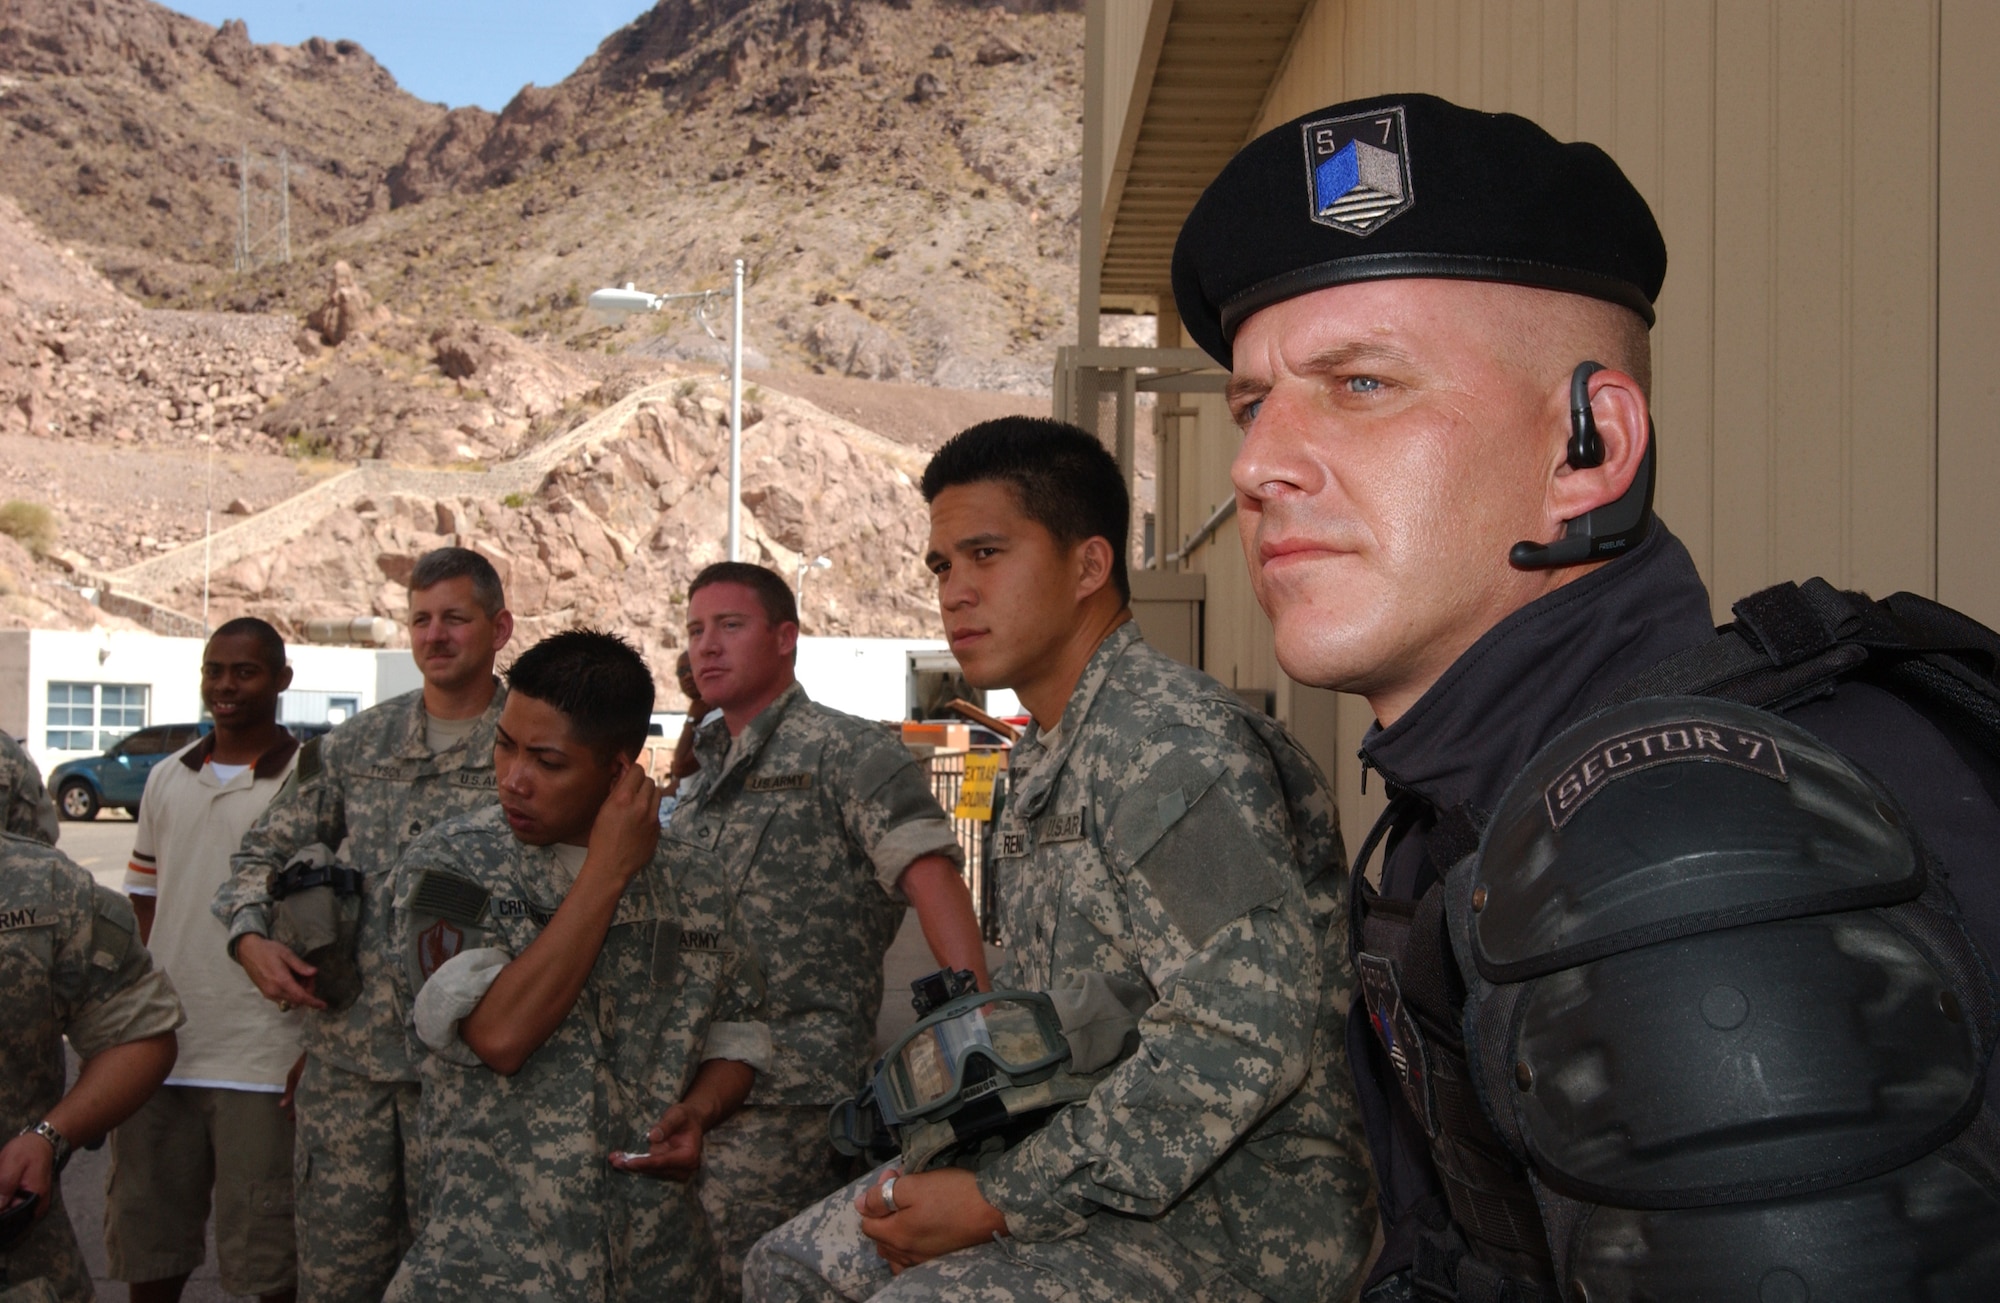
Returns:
(1410, 185)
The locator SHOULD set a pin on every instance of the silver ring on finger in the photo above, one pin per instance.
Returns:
(889, 1195)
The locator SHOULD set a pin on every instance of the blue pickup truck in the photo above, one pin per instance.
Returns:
(118, 777)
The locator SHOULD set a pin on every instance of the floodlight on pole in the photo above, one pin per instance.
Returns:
(622, 301)
(627, 299)
(805, 566)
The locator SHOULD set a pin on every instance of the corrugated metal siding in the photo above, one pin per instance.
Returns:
(1213, 65)
(1968, 371)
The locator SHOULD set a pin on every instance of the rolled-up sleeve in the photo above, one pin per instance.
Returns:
(890, 811)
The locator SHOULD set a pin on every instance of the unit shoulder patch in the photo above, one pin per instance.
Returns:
(1658, 744)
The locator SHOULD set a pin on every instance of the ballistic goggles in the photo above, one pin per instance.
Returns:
(970, 1046)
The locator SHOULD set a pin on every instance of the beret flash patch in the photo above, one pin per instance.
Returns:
(1357, 170)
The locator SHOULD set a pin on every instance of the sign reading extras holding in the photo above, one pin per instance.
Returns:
(1658, 744)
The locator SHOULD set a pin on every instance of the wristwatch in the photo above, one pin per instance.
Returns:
(57, 1141)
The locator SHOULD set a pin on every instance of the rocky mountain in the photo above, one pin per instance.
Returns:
(615, 530)
(900, 175)
(124, 125)
(137, 429)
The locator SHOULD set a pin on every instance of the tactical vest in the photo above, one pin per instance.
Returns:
(1697, 1019)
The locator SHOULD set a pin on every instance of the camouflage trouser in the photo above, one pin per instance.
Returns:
(757, 1171)
(357, 1164)
(821, 1255)
(47, 1263)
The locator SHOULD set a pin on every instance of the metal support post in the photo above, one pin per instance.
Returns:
(1090, 245)
(1127, 426)
(736, 422)
(1167, 461)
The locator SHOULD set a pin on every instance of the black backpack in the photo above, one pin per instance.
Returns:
(1792, 643)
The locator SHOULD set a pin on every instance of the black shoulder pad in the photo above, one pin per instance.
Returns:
(1674, 816)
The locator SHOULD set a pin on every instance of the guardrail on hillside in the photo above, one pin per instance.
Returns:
(296, 515)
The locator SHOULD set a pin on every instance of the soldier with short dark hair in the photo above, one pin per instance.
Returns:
(828, 830)
(585, 1001)
(368, 790)
(1164, 842)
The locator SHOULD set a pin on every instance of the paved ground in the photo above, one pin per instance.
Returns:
(103, 846)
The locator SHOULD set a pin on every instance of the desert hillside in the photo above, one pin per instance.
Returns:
(900, 177)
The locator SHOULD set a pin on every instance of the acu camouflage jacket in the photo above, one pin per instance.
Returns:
(815, 814)
(71, 965)
(373, 784)
(521, 1200)
(1174, 838)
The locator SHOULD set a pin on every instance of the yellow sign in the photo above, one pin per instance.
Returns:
(975, 794)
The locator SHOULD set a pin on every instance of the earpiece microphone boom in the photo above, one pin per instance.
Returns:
(1610, 529)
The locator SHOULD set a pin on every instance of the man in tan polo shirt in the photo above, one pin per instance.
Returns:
(223, 1121)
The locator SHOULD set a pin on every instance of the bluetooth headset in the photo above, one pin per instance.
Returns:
(1612, 528)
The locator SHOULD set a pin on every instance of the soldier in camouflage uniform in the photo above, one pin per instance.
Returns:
(369, 789)
(1160, 834)
(827, 828)
(25, 808)
(70, 965)
(531, 1098)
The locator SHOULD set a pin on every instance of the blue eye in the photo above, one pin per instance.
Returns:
(1363, 384)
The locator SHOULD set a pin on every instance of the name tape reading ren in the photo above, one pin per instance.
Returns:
(1658, 744)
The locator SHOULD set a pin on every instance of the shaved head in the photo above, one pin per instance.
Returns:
(1547, 333)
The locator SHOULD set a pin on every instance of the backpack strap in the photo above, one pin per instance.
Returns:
(1789, 644)
(1793, 642)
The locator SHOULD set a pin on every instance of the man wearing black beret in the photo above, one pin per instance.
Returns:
(1664, 995)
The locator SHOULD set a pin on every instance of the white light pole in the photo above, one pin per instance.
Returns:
(207, 530)
(736, 420)
(624, 301)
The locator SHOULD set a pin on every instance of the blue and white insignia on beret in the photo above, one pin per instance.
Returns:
(1357, 171)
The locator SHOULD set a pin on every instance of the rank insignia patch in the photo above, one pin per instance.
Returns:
(1357, 170)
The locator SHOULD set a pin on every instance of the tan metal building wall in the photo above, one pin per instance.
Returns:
(1827, 173)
